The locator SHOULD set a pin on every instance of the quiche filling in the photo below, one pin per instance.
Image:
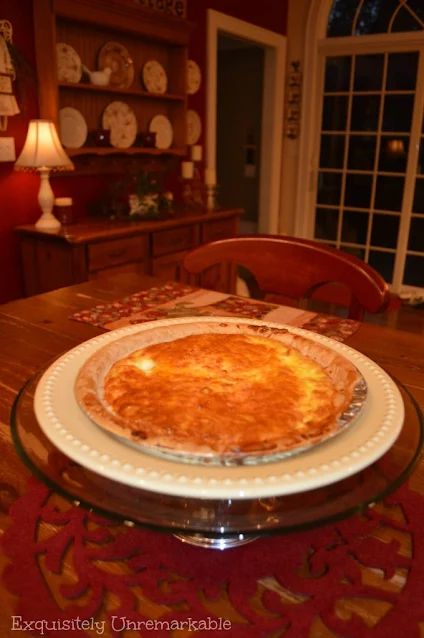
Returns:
(225, 393)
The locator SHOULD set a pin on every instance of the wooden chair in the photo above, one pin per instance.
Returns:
(296, 268)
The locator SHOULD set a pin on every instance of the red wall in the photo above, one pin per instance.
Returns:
(18, 191)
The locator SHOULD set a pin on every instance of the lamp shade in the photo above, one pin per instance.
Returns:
(43, 149)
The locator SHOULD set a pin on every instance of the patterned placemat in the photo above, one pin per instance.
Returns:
(179, 300)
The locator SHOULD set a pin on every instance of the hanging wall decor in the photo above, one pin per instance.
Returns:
(177, 8)
(8, 104)
(293, 101)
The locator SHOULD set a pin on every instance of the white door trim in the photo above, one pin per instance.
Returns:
(272, 111)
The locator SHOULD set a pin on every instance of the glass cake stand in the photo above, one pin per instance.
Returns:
(218, 524)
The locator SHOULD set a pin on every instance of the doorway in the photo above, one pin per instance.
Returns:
(268, 161)
(239, 118)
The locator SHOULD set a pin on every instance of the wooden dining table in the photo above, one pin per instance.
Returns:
(34, 331)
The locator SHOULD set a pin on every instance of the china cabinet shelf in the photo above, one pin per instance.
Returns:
(93, 150)
(131, 92)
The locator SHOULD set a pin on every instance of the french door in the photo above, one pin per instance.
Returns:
(369, 156)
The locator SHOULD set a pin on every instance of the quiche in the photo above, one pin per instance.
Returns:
(221, 391)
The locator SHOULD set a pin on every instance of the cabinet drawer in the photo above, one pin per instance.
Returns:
(219, 229)
(113, 253)
(171, 241)
(170, 267)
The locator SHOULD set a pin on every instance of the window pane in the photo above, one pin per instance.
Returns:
(365, 111)
(368, 72)
(355, 227)
(332, 151)
(385, 229)
(362, 152)
(404, 21)
(356, 252)
(389, 193)
(337, 74)
(329, 190)
(358, 190)
(417, 7)
(398, 112)
(402, 71)
(420, 167)
(341, 18)
(334, 115)
(383, 263)
(326, 223)
(418, 206)
(393, 154)
(414, 271)
(416, 235)
(375, 16)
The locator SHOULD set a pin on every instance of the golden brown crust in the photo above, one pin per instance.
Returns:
(226, 389)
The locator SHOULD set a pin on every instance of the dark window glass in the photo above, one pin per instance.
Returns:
(385, 230)
(420, 167)
(337, 74)
(341, 18)
(417, 7)
(365, 112)
(418, 205)
(358, 190)
(326, 223)
(393, 154)
(405, 21)
(355, 227)
(356, 252)
(329, 190)
(368, 73)
(375, 16)
(416, 235)
(332, 151)
(397, 115)
(402, 71)
(384, 263)
(334, 116)
(389, 193)
(414, 271)
(362, 152)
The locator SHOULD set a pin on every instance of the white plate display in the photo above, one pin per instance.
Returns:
(154, 77)
(120, 120)
(68, 63)
(194, 127)
(194, 77)
(73, 128)
(164, 131)
(66, 425)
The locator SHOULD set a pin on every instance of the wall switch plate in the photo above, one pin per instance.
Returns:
(7, 149)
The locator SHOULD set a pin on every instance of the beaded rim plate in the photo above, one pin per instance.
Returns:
(74, 434)
(194, 127)
(73, 128)
(164, 131)
(194, 77)
(154, 77)
(68, 63)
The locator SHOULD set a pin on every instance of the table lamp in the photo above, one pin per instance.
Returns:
(43, 152)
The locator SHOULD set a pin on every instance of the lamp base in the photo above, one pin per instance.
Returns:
(48, 221)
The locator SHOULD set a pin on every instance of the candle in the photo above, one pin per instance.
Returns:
(196, 153)
(187, 170)
(210, 177)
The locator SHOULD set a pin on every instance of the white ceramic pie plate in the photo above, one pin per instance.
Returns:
(66, 425)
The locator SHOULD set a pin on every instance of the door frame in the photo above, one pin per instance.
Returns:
(272, 108)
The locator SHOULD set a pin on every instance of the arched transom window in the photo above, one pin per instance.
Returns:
(368, 152)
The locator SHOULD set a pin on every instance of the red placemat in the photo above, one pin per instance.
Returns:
(179, 300)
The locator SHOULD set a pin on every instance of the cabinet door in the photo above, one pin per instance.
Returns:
(169, 267)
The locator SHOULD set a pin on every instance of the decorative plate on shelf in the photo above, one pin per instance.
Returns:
(367, 438)
(194, 77)
(154, 77)
(164, 131)
(73, 128)
(120, 120)
(116, 57)
(194, 127)
(69, 68)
